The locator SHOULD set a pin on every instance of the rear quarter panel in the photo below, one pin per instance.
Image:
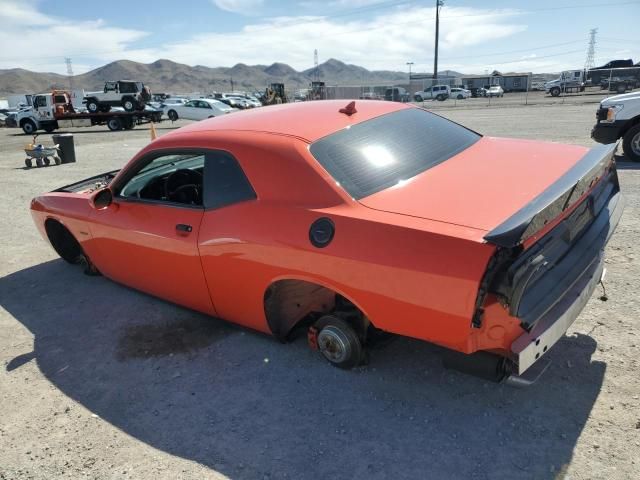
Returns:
(410, 276)
(406, 281)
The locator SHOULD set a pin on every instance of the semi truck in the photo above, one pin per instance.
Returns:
(54, 110)
(616, 76)
(568, 81)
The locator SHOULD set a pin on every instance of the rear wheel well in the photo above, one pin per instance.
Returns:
(62, 241)
(289, 303)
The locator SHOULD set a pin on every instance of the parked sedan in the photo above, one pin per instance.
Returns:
(174, 101)
(495, 91)
(197, 109)
(241, 102)
(389, 219)
(460, 93)
(252, 101)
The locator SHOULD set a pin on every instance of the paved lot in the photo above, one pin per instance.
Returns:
(99, 381)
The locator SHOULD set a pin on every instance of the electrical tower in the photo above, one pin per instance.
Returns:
(591, 52)
(316, 68)
(69, 73)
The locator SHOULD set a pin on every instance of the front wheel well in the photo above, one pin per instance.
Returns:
(630, 124)
(63, 241)
(289, 302)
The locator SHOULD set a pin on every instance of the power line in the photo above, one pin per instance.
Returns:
(550, 9)
(522, 50)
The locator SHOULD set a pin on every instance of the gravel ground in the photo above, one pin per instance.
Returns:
(102, 382)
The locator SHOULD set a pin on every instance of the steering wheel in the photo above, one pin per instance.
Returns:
(183, 186)
(189, 194)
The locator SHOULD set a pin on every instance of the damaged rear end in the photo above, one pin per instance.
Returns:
(549, 256)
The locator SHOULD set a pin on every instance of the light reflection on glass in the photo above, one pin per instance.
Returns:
(378, 156)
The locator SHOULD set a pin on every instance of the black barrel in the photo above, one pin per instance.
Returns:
(67, 148)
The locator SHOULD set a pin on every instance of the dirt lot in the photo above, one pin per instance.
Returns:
(102, 382)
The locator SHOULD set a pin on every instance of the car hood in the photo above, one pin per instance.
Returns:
(625, 97)
(481, 186)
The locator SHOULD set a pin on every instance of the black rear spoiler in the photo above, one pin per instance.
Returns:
(559, 196)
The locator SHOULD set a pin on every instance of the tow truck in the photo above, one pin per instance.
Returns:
(54, 110)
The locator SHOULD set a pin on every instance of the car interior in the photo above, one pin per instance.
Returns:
(175, 179)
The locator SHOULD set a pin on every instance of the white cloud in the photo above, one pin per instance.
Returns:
(244, 7)
(384, 41)
(41, 42)
(22, 13)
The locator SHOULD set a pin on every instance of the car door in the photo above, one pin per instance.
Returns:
(189, 110)
(147, 238)
(43, 107)
(207, 110)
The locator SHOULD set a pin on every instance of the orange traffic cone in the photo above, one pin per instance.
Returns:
(154, 134)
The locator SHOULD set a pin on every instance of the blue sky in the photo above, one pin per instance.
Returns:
(540, 36)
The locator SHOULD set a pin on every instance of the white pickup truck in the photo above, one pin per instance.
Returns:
(619, 117)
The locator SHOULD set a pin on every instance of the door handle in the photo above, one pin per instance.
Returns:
(183, 228)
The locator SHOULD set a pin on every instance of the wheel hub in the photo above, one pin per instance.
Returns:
(332, 345)
(635, 143)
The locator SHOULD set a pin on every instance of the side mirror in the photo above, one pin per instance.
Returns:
(102, 198)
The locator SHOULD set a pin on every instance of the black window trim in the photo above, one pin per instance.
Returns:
(161, 152)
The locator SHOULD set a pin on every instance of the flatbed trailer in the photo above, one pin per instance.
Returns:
(114, 120)
(54, 110)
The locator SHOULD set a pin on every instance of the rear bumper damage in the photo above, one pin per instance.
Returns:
(530, 346)
(586, 255)
(546, 285)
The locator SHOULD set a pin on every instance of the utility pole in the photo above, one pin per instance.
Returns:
(67, 60)
(409, 63)
(316, 67)
(439, 4)
(232, 85)
(591, 51)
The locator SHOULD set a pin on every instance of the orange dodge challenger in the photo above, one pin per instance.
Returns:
(354, 221)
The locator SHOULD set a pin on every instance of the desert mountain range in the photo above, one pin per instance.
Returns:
(169, 76)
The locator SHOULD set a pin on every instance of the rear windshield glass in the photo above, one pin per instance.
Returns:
(377, 154)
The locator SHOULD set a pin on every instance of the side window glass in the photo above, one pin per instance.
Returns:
(175, 179)
(190, 104)
(225, 182)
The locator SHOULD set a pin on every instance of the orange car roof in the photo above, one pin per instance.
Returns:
(307, 120)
